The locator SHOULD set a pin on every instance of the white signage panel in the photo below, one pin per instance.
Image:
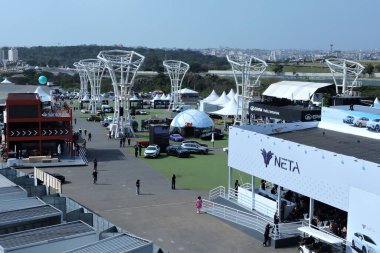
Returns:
(320, 174)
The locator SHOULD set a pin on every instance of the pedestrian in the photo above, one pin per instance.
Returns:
(109, 135)
(75, 121)
(276, 220)
(129, 141)
(89, 136)
(85, 132)
(136, 150)
(236, 187)
(266, 235)
(121, 142)
(140, 147)
(138, 187)
(198, 204)
(173, 182)
(95, 176)
(95, 165)
(80, 131)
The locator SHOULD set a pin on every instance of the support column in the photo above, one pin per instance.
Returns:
(279, 202)
(229, 181)
(311, 211)
(253, 191)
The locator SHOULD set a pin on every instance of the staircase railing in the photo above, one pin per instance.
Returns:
(219, 191)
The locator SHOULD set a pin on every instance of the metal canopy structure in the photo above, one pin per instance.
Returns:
(122, 66)
(83, 81)
(247, 71)
(176, 71)
(94, 69)
(349, 70)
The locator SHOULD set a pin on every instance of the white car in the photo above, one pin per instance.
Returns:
(152, 151)
(364, 243)
(374, 125)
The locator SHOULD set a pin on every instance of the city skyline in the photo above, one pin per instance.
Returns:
(296, 24)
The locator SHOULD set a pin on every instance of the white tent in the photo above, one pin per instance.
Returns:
(85, 98)
(187, 91)
(376, 103)
(197, 119)
(231, 94)
(44, 97)
(6, 81)
(221, 101)
(168, 97)
(212, 97)
(163, 97)
(230, 109)
(157, 97)
(134, 98)
(293, 90)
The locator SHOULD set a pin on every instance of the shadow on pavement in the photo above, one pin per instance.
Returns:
(104, 155)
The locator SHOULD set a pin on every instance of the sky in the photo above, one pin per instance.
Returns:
(261, 24)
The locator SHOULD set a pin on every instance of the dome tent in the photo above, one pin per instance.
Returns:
(192, 119)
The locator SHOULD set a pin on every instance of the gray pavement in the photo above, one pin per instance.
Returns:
(165, 216)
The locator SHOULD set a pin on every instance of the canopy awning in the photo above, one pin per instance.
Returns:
(294, 90)
(321, 235)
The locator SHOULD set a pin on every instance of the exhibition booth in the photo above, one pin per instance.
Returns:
(338, 170)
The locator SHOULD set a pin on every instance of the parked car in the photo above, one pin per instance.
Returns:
(94, 118)
(176, 137)
(349, 119)
(177, 150)
(152, 151)
(181, 108)
(106, 122)
(208, 136)
(361, 122)
(374, 125)
(141, 112)
(202, 144)
(195, 148)
(364, 243)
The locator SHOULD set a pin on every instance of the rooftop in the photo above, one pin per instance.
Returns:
(346, 144)
(22, 96)
(16, 204)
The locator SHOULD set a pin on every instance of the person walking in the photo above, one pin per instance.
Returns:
(136, 150)
(121, 141)
(109, 135)
(75, 121)
(95, 165)
(236, 187)
(80, 131)
(173, 181)
(198, 204)
(266, 235)
(85, 132)
(129, 141)
(89, 136)
(138, 187)
(140, 148)
(95, 176)
(276, 220)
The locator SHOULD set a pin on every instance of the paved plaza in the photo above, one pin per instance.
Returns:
(167, 217)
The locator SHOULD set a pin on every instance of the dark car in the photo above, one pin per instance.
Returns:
(177, 150)
(94, 118)
(195, 148)
(202, 144)
(208, 136)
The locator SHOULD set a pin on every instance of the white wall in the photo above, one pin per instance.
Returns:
(275, 128)
(322, 175)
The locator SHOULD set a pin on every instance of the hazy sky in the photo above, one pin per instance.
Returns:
(266, 24)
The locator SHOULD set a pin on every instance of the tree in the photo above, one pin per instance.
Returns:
(369, 69)
(377, 67)
(278, 68)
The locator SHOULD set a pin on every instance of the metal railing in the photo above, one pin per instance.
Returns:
(219, 191)
(325, 230)
(49, 180)
(242, 218)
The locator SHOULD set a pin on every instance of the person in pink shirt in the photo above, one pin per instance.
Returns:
(198, 204)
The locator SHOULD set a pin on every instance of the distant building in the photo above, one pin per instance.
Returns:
(2, 55)
(13, 54)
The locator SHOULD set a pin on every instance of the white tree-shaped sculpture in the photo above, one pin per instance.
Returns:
(348, 70)
(122, 66)
(94, 69)
(176, 71)
(247, 71)
(83, 81)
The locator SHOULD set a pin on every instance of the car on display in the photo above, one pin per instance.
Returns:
(106, 122)
(177, 150)
(202, 144)
(195, 148)
(364, 243)
(94, 118)
(141, 112)
(361, 122)
(374, 125)
(208, 136)
(349, 119)
(176, 137)
(152, 151)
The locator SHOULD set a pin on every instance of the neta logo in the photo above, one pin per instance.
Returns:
(267, 156)
(280, 162)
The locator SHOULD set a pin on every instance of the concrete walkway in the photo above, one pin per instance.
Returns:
(167, 217)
